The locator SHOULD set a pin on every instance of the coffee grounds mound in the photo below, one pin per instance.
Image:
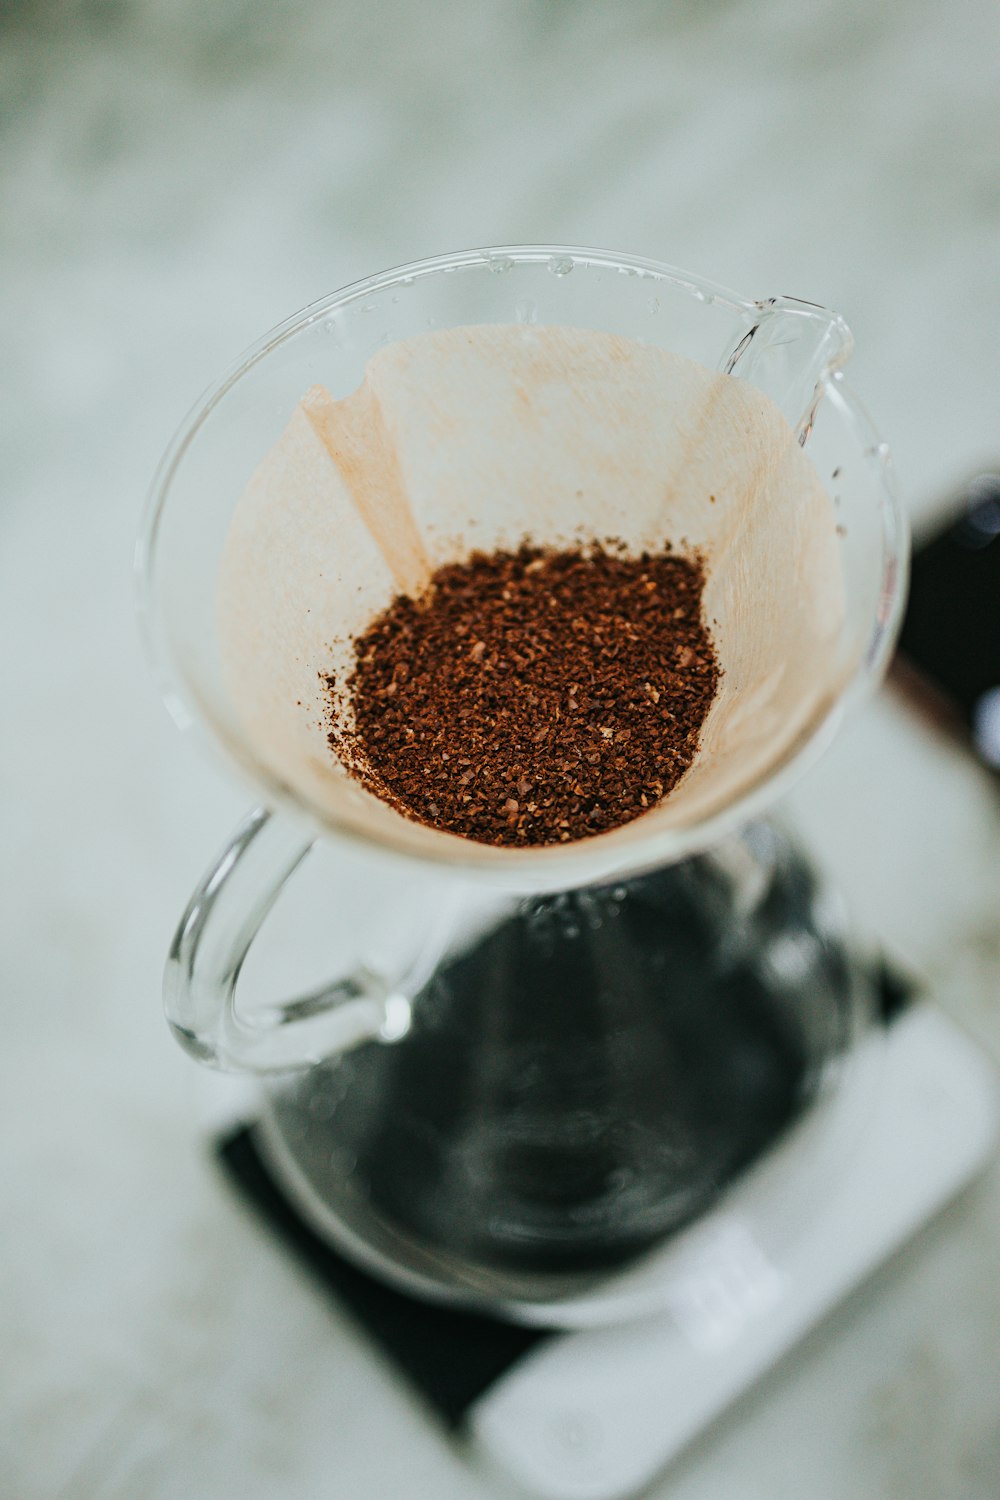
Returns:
(531, 697)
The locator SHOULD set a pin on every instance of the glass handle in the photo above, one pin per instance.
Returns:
(208, 951)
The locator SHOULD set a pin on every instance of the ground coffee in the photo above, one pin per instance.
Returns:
(531, 697)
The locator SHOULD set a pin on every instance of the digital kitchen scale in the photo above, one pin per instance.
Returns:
(596, 1414)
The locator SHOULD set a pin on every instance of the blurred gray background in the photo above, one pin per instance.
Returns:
(175, 178)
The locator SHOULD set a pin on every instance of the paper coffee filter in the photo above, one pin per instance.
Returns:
(483, 437)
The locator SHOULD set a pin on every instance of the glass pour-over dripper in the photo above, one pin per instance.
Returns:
(655, 959)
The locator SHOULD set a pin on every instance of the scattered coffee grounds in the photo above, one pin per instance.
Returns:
(531, 697)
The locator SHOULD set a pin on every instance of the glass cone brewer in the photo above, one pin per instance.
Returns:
(536, 1066)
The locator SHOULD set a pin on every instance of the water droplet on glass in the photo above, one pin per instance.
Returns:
(499, 263)
(526, 312)
(560, 265)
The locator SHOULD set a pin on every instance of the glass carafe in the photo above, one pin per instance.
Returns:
(543, 1068)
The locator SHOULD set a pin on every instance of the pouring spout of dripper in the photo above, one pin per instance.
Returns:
(790, 350)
